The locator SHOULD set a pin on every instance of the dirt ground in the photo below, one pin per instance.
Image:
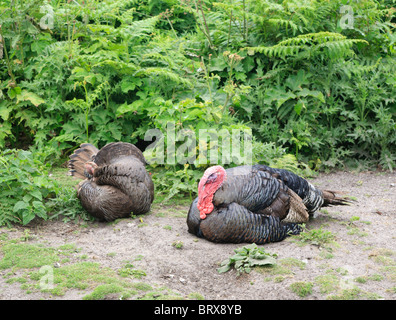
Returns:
(362, 258)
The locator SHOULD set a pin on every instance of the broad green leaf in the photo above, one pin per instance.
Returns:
(27, 216)
(224, 268)
(30, 96)
(20, 205)
(37, 194)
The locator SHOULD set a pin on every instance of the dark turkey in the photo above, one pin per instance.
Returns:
(253, 204)
(235, 224)
(116, 183)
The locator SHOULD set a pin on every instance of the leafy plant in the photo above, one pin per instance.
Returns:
(247, 257)
(317, 237)
(25, 187)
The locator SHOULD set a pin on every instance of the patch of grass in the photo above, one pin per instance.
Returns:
(23, 255)
(390, 272)
(160, 293)
(103, 291)
(301, 288)
(100, 282)
(142, 286)
(347, 294)
(292, 262)
(326, 254)
(129, 271)
(356, 231)
(327, 283)
(274, 270)
(317, 237)
(375, 277)
(360, 279)
(141, 225)
(282, 269)
(195, 296)
(383, 256)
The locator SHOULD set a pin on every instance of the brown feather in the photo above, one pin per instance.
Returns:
(298, 212)
(85, 153)
(279, 207)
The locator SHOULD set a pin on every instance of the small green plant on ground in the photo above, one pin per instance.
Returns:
(129, 271)
(246, 258)
(318, 237)
(178, 244)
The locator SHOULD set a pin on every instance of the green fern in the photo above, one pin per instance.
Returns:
(311, 44)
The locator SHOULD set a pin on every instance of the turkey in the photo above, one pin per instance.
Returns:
(115, 183)
(235, 224)
(253, 204)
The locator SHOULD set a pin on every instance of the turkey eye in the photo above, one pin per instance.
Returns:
(212, 178)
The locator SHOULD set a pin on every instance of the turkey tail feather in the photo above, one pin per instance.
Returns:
(332, 198)
(298, 212)
(85, 153)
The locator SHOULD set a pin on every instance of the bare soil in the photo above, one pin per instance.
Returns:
(362, 257)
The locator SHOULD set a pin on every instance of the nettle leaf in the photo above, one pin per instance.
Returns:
(27, 216)
(20, 205)
(37, 194)
(29, 96)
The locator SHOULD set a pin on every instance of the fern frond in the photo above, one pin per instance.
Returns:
(336, 44)
(140, 28)
(164, 74)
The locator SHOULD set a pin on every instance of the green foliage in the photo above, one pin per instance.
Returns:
(29, 191)
(302, 289)
(317, 237)
(25, 186)
(247, 257)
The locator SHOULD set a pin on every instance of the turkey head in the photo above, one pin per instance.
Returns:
(212, 179)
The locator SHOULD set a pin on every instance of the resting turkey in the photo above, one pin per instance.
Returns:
(254, 204)
(116, 183)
